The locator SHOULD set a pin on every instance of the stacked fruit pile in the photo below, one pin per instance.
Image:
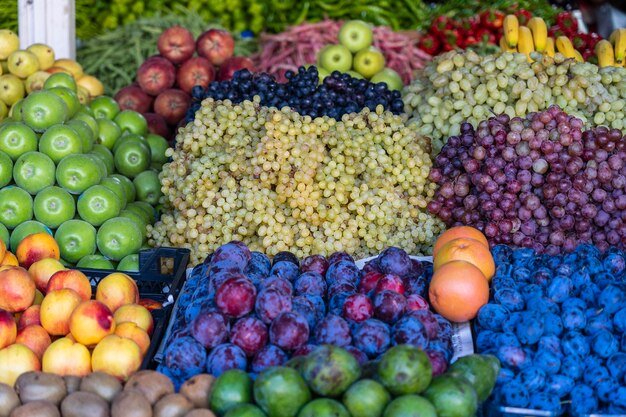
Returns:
(250, 314)
(541, 182)
(355, 55)
(40, 301)
(558, 326)
(278, 180)
(165, 82)
(26, 71)
(75, 168)
(457, 87)
(401, 384)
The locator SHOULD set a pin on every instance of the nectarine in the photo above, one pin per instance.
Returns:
(30, 316)
(17, 289)
(16, 360)
(72, 279)
(36, 247)
(66, 357)
(117, 289)
(56, 309)
(116, 356)
(35, 337)
(91, 322)
(8, 329)
(42, 270)
(137, 314)
(133, 332)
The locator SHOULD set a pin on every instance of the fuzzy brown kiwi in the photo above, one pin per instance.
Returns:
(40, 386)
(36, 408)
(200, 412)
(172, 405)
(72, 383)
(154, 385)
(8, 400)
(104, 385)
(197, 389)
(84, 404)
(131, 403)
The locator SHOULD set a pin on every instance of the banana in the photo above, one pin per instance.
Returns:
(578, 57)
(564, 46)
(618, 39)
(605, 53)
(550, 47)
(511, 30)
(504, 47)
(525, 43)
(540, 33)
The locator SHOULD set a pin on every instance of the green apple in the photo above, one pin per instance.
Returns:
(4, 235)
(98, 204)
(132, 122)
(158, 145)
(131, 193)
(16, 206)
(96, 261)
(60, 79)
(85, 133)
(106, 155)
(99, 161)
(42, 109)
(335, 58)
(76, 239)
(355, 35)
(15, 112)
(76, 173)
(115, 184)
(129, 263)
(148, 187)
(368, 62)
(59, 141)
(16, 139)
(132, 158)
(69, 97)
(91, 122)
(119, 237)
(139, 218)
(355, 74)
(147, 208)
(108, 133)
(11, 89)
(322, 73)
(53, 206)
(4, 110)
(104, 107)
(6, 169)
(390, 77)
(27, 228)
(129, 137)
(33, 172)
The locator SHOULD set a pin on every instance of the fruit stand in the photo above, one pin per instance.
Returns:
(262, 208)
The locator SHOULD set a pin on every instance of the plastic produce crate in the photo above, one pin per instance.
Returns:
(162, 272)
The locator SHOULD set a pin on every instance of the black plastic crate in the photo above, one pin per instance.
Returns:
(162, 272)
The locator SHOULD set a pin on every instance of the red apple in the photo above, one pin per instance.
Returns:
(156, 75)
(196, 71)
(134, 98)
(157, 124)
(231, 65)
(176, 44)
(172, 104)
(216, 45)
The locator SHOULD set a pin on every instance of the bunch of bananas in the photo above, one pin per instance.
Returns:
(612, 52)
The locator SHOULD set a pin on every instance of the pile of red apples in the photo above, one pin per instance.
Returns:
(162, 91)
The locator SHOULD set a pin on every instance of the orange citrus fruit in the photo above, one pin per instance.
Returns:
(457, 232)
(458, 290)
(468, 250)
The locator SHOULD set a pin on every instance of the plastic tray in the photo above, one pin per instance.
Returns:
(162, 272)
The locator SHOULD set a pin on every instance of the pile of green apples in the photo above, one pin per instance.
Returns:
(355, 55)
(86, 174)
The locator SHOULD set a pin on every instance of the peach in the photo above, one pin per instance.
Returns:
(42, 270)
(117, 289)
(29, 317)
(131, 331)
(17, 289)
(3, 249)
(8, 329)
(137, 314)
(117, 356)
(35, 337)
(66, 357)
(56, 309)
(38, 298)
(9, 259)
(91, 322)
(72, 279)
(150, 304)
(36, 247)
(16, 360)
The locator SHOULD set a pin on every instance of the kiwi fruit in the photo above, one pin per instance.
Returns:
(36, 408)
(200, 412)
(172, 405)
(84, 404)
(72, 383)
(131, 403)
(8, 400)
(152, 384)
(104, 385)
(40, 386)
(197, 389)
